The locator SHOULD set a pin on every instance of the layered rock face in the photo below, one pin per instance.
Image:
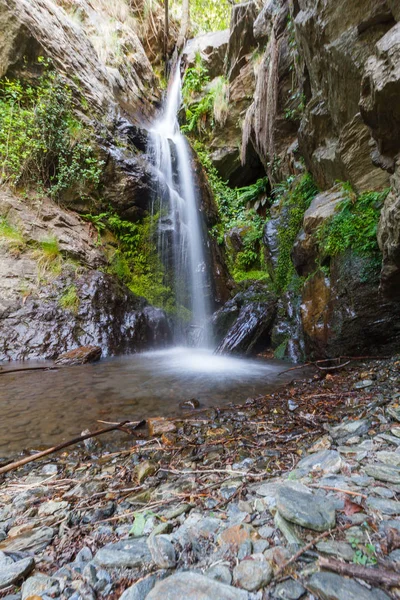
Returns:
(325, 99)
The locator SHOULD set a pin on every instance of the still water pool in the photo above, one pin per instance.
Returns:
(43, 408)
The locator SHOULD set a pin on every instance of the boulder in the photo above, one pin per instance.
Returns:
(194, 586)
(212, 48)
(241, 40)
(80, 356)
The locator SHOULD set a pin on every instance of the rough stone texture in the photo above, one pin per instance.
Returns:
(38, 585)
(243, 325)
(194, 586)
(305, 509)
(162, 551)
(127, 553)
(108, 316)
(212, 47)
(80, 356)
(252, 575)
(13, 572)
(40, 27)
(140, 590)
(330, 586)
(32, 540)
(326, 461)
(241, 39)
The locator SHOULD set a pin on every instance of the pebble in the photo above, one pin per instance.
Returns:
(252, 575)
(289, 590)
(220, 573)
(162, 551)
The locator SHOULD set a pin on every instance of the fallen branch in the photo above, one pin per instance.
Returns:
(370, 574)
(309, 546)
(10, 371)
(81, 438)
(317, 363)
(334, 489)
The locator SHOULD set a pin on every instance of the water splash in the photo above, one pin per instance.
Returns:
(181, 241)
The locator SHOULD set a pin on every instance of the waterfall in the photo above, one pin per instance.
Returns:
(180, 231)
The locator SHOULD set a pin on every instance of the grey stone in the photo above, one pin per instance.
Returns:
(194, 586)
(265, 531)
(127, 553)
(389, 458)
(395, 556)
(340, 549)
(360, 385)
(12, 572)
(220, 573)
(289, 590)
(383, 492)
(288, 530)
(388, 507)
(245, 549)
(252, 575)
(329, 586)
(140, 590)
(34, 540)
(383, 472)
(327, 461)
(38, 584)
(162, 551)
(259, 546)
(84, 555)
(49, 469)
(349, 429)
(305, 509)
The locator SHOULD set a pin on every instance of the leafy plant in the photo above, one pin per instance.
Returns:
(354, 225)
(42, 143)
(294, 203)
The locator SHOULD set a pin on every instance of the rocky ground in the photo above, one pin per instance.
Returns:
(294, 495)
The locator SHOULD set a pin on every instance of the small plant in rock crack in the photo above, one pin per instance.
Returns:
(364, 555)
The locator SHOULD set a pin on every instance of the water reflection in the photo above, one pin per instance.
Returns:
(42, 408)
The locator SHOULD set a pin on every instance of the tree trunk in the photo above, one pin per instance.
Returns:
(185, 24)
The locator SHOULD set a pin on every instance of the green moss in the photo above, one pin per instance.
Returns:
(70, 299)
(12, 236)
(294, 203)
(280, 351)
(42, 143)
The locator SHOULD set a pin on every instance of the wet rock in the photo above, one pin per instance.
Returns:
(140, 590)
(252, 575)
(12, 572)
(304, 508)
(244, 323)
(289, 590)
(159, 426)
(80, 356)
(162, 551)
(327, 461)
(383, 472)
(387, 507)
(334, 587)
(194, 586)
(40, 584)
(192, 403)
(127, 553)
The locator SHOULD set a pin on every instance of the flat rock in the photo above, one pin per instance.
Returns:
(389, 458)
(338, 549)
(327, 461)
(162, 551)
(387, 507)
(34, 540)
(383, 472)
(329, 586)
(289, 590)
(252, 575)
(80, 356)
(140, 590)
(127, 553)
(305, 509)
(236, 535)
(51, 508)
(14, 571)
(349, 429)
(194, 587)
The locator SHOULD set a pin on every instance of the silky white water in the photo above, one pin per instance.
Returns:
(181, 240)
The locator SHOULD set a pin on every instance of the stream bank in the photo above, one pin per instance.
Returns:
(218, 504)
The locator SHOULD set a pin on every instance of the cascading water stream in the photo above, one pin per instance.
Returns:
(181, 241)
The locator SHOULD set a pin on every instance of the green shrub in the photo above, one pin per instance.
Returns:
(42, 143)
(354, 226)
